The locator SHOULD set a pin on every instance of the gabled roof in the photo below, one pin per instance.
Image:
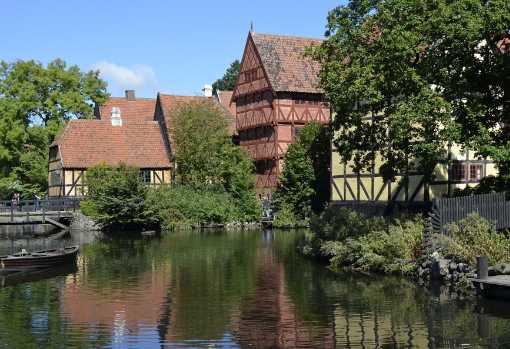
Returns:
(284, 65)
(131, 108)
(83, 143)
(171, 102)
(224, 98)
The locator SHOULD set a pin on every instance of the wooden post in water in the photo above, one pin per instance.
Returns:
(482, 268)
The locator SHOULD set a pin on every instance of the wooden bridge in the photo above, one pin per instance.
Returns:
(48, 211)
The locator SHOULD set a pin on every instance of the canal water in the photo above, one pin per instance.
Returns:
(230, 289)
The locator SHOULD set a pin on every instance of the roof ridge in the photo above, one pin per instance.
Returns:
(163, 94)
(289, 36)
(124, 98)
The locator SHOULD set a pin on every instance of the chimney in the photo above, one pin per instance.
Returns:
(207, 91)
(115, 117)
(130, 95)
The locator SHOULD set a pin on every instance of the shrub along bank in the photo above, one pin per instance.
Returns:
(348, 239)
(394, 244)
(116, 198)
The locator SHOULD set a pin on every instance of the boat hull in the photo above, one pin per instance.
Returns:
(41, 259)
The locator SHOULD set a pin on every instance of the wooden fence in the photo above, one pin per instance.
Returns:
(494, 207)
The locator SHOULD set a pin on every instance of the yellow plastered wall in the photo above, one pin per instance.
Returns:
(437, 191)
(414, 182)
(339, 184)
(353, 183)
(337, 168)
(367, 183)
(456, 153)
(491, 170)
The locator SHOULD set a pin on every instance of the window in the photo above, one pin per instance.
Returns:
(247, 77)
(313, 101)
(55, 179)
(296, 131)
(299, 100)
(476, 172)
(254, 75)
(145, 176)
(53, 154)
(458, 172)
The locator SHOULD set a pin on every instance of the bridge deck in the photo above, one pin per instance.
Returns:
(493, 287)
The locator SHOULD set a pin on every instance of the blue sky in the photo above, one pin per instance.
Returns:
(171, 47)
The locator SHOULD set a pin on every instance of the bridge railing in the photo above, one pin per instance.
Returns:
(43, 207)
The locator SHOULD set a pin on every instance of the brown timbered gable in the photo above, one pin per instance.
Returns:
(275, 96)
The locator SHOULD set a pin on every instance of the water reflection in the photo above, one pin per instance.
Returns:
(234, 289)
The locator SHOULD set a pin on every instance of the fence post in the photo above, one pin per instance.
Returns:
(482, 268)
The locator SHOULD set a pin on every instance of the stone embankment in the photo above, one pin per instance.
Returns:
(450, 269)
(82, 222)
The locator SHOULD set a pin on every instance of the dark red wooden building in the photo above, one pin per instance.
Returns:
(275, 96)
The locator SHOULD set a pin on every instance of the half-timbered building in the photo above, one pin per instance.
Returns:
(368, 192)
(275, 94)
(126, 133)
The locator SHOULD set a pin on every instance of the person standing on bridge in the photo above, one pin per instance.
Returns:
(265, 206)
(14, 201)
(36, 199)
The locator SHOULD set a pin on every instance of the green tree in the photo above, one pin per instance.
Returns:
(228, 81)
(237, 175)
(199, 130)
(431, 73)
(116, 196)
(35, 105)
(305, 175)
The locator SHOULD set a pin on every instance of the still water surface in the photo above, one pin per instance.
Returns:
(231, 289)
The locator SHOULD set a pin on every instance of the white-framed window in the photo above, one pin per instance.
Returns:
(145, 176)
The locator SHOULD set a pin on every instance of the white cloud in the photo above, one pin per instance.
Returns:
(138, 77)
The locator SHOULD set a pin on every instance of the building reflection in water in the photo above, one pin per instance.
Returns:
(190, 299)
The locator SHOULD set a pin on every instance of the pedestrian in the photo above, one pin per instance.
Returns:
(265, 206)
(36, 199)
(20, 205)
(14, 201)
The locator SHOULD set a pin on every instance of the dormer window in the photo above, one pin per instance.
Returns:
(115, 117)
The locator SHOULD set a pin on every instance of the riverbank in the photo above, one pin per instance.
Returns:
(394, 245)
(83, 222)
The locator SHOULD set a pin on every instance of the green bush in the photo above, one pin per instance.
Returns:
(116, 197)
(285, 217)
(475, 236)
(184, 206)
(348, 239)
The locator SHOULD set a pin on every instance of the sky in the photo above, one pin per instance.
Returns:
(171, 47)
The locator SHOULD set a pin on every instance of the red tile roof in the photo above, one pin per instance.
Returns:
(83, 143)
(141, 109)
(224, 98)
(171, 102)
(282, 59)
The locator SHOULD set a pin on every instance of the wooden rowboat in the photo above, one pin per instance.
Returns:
(41, 259)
